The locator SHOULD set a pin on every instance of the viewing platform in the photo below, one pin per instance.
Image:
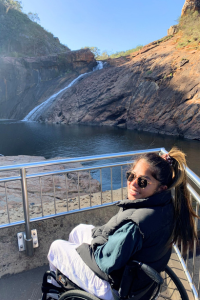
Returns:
(53, 210)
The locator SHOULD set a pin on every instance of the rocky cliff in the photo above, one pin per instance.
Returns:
(26, 82)
(22, 37)
(190, 5)
(156, 89)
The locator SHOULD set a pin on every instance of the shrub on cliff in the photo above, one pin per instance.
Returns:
(12, 4)
(125, 53)
(22, 37)
(94, 50)
(189, 29)
(104, 55)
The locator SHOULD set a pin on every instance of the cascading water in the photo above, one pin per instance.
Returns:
(35, 113)
(99, 66)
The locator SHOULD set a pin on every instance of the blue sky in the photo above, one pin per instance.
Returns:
(111, 25)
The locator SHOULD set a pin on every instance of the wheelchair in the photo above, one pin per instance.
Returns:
(162, 286)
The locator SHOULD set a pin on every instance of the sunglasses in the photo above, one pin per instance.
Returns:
(141, 181)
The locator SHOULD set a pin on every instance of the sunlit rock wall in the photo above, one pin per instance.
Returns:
(190, 5)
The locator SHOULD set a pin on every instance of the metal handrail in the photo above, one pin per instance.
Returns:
(186, 272)
(28, 238)
(193, 193)
(77, 159)
(65, 171)
(65, 213)
(23, 177)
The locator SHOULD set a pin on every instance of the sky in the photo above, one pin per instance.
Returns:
(110, 25)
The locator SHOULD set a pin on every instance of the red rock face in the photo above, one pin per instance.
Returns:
(156, 89)
(190, 5)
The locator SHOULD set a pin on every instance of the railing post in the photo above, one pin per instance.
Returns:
(28, 239)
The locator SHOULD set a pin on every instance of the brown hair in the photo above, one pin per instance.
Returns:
(174, 176)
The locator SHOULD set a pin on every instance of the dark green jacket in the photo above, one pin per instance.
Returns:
(155, 218)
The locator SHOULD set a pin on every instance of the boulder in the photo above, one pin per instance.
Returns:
(172, 30)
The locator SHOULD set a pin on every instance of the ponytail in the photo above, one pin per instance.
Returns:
(184, 213)
(170, 171)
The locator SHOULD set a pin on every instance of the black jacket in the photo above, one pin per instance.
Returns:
(155, 218)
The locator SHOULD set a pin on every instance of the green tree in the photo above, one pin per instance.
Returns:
(34, 17)
(13, 4)
(104, 55)
(94, 50)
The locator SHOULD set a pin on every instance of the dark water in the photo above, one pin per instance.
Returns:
(30, 138)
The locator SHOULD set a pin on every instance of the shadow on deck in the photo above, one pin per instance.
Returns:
(176, 266)
(23, 286)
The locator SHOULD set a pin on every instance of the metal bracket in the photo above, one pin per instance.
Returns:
(21, 236)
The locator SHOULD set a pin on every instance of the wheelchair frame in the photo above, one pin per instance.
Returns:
(164, 286)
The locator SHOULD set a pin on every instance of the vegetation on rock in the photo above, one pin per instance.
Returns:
(12, 4)
(94, 50)
(104, 55)
(20, 36)
(189, 30)
(33, 17)
(125, 53)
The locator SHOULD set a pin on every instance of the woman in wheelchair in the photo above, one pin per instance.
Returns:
(143, 230)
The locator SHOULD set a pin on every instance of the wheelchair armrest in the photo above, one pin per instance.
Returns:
(153, 274)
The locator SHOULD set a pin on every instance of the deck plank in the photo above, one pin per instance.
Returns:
(176, 266)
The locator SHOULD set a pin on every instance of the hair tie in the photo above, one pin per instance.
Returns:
(168, 158)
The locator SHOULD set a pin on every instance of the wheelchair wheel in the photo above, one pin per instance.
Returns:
(77, 295)
(172, 288)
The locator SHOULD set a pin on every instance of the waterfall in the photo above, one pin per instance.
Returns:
(35, 113)
(99, 65)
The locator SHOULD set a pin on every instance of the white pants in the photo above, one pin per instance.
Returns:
(64, 257)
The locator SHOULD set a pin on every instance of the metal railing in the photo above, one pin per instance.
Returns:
(61, 187)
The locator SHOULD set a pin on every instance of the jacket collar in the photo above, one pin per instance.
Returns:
(159, 199)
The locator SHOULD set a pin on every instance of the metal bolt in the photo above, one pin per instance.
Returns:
(33, 233)
(21, 247)
(35, 243)
(20, 236)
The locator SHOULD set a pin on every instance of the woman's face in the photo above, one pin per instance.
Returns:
(142, 168)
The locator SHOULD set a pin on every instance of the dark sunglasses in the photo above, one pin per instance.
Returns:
(141, 181)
